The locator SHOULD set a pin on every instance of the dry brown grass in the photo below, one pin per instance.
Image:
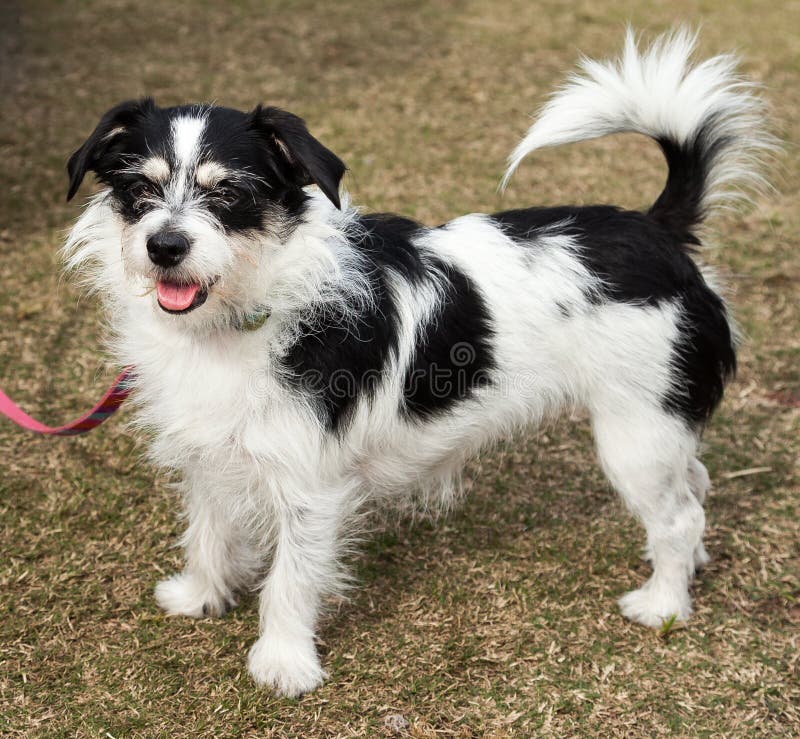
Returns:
(499, 621)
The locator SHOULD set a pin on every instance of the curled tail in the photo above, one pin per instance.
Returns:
(707, 120)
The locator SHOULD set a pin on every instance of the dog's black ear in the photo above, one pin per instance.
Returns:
(309, 162)
(101, 140)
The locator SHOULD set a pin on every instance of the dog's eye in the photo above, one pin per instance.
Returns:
(227, 194)
(138, 189)
(139, 194)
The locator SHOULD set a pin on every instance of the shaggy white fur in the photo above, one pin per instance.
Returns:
(270, 491)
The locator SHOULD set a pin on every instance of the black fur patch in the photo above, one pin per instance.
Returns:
(454, 355)
(265, 194)
(679, 206)
(704, 355)
(270, 152)
(340, 360)
(388, 245)
(638, 260)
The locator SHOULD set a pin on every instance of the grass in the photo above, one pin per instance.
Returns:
(500, 619)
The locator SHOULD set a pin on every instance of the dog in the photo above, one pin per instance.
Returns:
(297, 361)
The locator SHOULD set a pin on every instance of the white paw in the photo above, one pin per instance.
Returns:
(189, 595)
(289, 666)
(654, 604)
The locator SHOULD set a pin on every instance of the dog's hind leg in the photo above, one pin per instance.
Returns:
(699, 481)
(646, 454)
(699, 484)
(218, 560)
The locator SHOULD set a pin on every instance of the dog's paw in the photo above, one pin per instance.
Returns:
(652, 605)
(290, 667)
(189, 595)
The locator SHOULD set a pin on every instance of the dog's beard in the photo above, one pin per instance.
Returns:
(180, 290)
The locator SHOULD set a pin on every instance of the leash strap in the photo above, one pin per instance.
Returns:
(109, 403)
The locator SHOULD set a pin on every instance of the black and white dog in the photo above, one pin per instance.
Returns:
(296, 359)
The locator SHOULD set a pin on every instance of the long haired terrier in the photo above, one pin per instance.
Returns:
(297, 359)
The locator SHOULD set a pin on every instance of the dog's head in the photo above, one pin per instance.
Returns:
(194, 192)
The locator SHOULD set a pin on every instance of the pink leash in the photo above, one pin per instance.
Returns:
(109, 403)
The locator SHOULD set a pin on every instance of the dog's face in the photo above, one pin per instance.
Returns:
(196, 191)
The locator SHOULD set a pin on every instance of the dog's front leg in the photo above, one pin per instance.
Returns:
(219, 557)
(304, 570)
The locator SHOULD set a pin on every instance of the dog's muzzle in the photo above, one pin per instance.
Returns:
(167, 248)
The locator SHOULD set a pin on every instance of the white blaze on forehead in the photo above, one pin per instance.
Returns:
(155, 169)
(187, 132)
(210, 173)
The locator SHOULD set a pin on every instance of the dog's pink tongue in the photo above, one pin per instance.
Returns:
(176, 297)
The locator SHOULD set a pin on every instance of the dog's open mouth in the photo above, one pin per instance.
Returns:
(175, 297)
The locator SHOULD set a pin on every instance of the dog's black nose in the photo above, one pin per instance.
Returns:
(167, 248)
